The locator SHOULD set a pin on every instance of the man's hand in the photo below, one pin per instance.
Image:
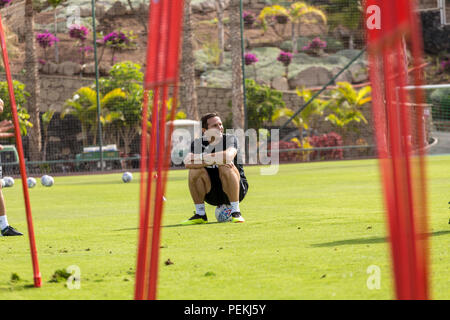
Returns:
(2, 104)
(5, 126)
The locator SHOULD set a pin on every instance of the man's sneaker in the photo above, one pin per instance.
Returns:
(10, 231)
(237, 218)
(196, 219)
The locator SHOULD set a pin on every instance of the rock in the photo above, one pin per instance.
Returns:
(346, 76)
(69, 68)
(104, 69)
(86, 12)
(208, 6)
(89, 69)
(118, 9)
(359, 72)
(100, 11)
(280, 83)
(311, 77)
(196, 7)
(49, 68)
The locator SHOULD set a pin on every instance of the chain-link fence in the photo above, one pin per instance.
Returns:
(306, 71)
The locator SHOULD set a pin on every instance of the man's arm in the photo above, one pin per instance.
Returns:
(196, 161)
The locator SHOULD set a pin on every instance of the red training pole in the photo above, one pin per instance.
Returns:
(165, 19)
(400, 132)
(23, 172)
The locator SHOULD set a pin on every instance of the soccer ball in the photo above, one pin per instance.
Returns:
(9, 182)
(47, 181)
(223, 213)
(31, 182)
(127, 177)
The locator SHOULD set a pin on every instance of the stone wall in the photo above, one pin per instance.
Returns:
(219, 100)
(55, 90)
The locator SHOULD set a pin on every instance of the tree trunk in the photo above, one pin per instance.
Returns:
(351, 41)
(236, 66)
(294, 38)
(32, 83)
(220, 27)
(189, 94)
(139, 16)
(56, 43)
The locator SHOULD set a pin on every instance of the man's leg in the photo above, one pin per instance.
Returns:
(5, 228)
(230, 178)
(199, 186)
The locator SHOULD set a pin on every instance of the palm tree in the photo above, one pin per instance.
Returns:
(189, 97)
(32, 82)
(297, 13)
(55, 4)
(237, 100)
(83, 106)
(220, 28)
(46, 118)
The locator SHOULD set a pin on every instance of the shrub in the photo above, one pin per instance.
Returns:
(249, 18)
(78, 32)
(262, 101)
(5, 3)
(331, 139)
(46, 39)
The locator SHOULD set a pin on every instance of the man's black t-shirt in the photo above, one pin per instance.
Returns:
(201, 145)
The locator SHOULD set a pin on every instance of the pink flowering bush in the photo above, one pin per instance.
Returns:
(250, 59)
(249, 18)
(46, 40)
(316, 46)
(80, 33)
(331, 139)
(5, 3)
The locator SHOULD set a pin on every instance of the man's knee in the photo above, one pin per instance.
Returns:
(228, 171)
(195, 174)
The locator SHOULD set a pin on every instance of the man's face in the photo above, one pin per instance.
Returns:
(215, 129)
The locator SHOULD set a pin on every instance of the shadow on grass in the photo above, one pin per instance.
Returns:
(17, 287)
(372, 240)
(174, 226)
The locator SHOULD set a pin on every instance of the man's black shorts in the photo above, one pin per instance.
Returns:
(216, 196)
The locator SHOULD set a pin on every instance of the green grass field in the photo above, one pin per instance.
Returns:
(311, 232)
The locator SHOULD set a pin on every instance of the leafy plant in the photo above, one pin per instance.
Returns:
(296, 13)
(21, 99)
(262, 101)
(345, 106)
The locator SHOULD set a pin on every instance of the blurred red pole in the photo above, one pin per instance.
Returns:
(23, 172)
(399, 134)
(161, 74)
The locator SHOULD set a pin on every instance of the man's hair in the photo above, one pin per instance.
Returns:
(206, 117)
